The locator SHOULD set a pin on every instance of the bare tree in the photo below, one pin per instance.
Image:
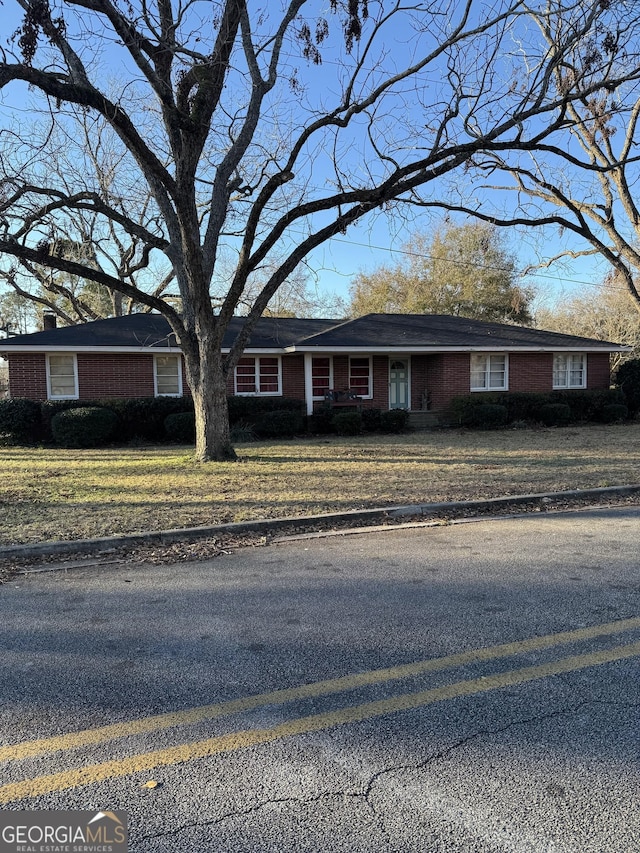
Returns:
(605, 313)
(584, 179)
(80, 158)
(245, 147)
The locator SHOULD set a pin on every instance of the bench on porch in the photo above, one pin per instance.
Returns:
(347, 399)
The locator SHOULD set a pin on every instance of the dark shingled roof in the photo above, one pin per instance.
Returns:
(410, 331)
(152, 330)
(373, 332)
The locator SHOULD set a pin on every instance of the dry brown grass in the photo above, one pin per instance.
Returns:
(50, 494)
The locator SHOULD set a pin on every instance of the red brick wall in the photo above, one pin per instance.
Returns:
(340, 372)
(27, 375)
(293, 376)
(380, 397)
(380, 383)
(443, 376)
(598, 370)
(115, 375)
(449, 376)
(99, 375)
(530, 371)
(419, 380)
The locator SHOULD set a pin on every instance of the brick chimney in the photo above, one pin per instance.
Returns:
(49, 320)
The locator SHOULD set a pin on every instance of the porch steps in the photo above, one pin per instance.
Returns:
(423, 420)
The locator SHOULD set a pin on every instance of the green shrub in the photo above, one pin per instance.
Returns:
(613, 413)
(628, 381)
(279, 424)
(320, 422)
(523, 405)
(89, 426)
(242, 431)
(555, 414)
(371, 419)
(138, 417)
(394, 421)
(144, 417)
(50, 408)
(489, 416)
(347, 423)
(181, 427)
(463, 411)
(20, 421)
(250, 408)
(585, 405)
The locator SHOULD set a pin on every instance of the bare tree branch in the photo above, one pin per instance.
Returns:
(225, 141)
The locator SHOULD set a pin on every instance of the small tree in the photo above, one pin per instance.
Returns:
(222, 139)
(463, 270)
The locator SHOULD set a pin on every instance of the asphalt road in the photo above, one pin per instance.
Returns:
(470, 687)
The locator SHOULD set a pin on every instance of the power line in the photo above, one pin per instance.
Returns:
(454, 262)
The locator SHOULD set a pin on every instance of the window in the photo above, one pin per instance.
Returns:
(258, 375)
(62, 377)
(168, 375)
(569, 370)
(360, 376)
(488, 372)
(320, 377)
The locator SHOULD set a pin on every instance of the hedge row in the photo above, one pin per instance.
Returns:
(75, 423)
(90, 423)
(556, 408)
(28, 422)
(326, 421)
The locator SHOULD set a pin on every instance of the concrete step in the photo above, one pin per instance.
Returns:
(423, 420)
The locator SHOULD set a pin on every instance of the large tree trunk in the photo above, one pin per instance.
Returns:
(213, 441)
(208, 382)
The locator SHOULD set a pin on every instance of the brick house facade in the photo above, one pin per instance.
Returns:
(417, 362)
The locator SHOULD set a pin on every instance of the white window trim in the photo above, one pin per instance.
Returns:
(155, 374)
(368, 396)
(487, 389)
(568, 386)
(330, 374)
(50, 395)
(258, 393)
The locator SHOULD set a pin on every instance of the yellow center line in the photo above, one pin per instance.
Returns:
(234, 741)
(144, 725)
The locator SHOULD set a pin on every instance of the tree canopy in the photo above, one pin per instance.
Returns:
(605, 312)
(463, 270)
(219, 145)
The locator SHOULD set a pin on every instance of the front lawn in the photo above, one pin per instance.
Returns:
(52, 494)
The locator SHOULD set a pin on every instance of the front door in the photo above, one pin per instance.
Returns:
(399, 383)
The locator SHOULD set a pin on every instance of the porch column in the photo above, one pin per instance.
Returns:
(308, 384)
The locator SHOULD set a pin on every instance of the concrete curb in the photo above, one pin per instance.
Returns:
(166, 537)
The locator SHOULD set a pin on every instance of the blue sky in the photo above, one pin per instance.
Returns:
(373, 242)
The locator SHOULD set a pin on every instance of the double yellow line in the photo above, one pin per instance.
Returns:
(313, 723)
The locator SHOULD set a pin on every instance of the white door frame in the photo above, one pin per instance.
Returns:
(407, 359)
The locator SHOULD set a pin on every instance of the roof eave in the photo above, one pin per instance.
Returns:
(139, 350)
(373, 350)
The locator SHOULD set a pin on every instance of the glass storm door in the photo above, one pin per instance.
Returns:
(399, 383)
